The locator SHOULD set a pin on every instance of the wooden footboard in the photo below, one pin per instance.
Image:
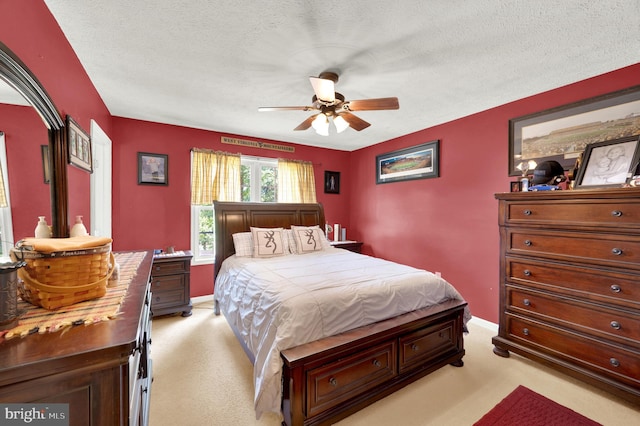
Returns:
(330, 379)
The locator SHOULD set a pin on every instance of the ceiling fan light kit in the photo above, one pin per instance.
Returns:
(332, 107)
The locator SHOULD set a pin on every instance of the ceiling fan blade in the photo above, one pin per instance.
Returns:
(286, 108)
(306, 123)
(372, 104)
(323, 88)
(355, 123)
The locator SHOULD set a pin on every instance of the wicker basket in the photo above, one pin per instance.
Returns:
(53, 280)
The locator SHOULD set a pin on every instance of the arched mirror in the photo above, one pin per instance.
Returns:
(18, 77)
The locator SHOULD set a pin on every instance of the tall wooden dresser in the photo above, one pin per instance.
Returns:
(570, 283)
(102, 371)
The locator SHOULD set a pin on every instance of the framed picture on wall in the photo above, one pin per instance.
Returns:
(331, 182)
(79, 146)
(153, 169)
(417, 162)
(562, 133)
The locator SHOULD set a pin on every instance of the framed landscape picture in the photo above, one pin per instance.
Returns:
(562, 133)
(417, 162)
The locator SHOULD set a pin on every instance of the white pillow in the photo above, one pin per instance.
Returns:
(243, 244)
(308, 239)
(269, 242)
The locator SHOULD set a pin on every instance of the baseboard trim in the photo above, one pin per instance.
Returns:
(484, 324)
(202, 299)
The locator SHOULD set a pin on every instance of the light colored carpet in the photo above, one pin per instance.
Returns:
(203, 377)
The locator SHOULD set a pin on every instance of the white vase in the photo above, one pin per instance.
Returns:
(78, 229)
(42, 229)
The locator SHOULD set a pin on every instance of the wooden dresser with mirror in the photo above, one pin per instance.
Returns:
(570, 286)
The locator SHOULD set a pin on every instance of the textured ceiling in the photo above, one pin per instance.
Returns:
(211, 64)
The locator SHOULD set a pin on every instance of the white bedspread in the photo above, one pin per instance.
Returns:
(281, 302)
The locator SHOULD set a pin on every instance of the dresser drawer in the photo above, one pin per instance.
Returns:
(600, 213)
(169, 268)
(426, 344)
(619, 288)
(585, 317)
(614, 361)
(604, 249)
(338, 381)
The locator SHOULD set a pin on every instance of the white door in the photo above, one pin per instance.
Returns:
(100, 182)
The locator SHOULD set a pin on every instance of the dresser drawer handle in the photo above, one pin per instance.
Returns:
(616, 251)
(616, 213)
(615, 288)
(527, 212)
(527, 272)
(377, 363)
(614, 362)
(616, 325)
(527, 243)
(333, 382)
(415, 347)
(526, 302)
(525, 331)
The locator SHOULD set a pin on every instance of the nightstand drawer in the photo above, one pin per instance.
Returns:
(167, 283)
(169, 268)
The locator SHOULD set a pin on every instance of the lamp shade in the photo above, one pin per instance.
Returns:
(321, 125)
(340, 123)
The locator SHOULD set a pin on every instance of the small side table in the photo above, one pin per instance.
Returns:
(354, 246)
(170, 285)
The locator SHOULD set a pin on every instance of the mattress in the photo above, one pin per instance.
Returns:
(282, 302)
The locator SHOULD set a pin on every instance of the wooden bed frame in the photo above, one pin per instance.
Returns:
(332, 378)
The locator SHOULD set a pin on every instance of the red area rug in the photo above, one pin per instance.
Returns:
(524, 407)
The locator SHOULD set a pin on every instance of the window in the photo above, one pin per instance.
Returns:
(6, 226)
(259, 182)
(259, 179)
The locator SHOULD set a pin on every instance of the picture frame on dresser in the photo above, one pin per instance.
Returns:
(609, 163)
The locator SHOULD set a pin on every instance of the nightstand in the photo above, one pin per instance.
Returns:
(170, 286)
(354, 246)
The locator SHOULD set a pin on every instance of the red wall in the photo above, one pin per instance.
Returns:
(450, 224)
(24, 134)
(31, 32)
(152, 216)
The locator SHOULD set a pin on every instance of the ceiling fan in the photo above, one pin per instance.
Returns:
(332, 107)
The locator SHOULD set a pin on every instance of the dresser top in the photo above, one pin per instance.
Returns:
(601, 194)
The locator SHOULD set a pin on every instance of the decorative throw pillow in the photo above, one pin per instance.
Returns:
(269, 242)
(243, 244)
(308, 239)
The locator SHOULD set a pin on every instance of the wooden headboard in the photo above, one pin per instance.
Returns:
(232, 217)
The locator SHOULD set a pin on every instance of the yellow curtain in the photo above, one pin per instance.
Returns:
(296, 183)
(215, 175)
